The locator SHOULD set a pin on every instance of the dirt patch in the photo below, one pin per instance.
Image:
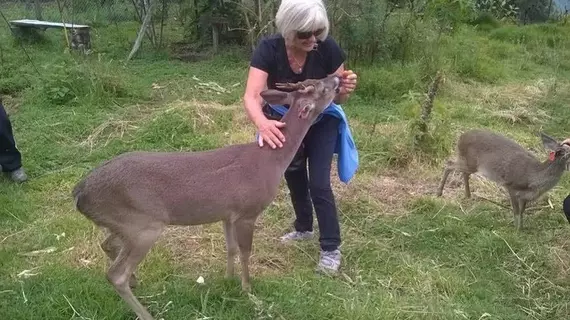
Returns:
(391, 191)
(388, 192)
(203, 249)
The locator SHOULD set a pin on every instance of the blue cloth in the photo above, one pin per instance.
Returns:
(345, 148)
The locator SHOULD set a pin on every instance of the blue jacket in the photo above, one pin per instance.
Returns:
(345, 148)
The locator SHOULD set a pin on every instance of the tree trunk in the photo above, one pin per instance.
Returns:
(143, 29)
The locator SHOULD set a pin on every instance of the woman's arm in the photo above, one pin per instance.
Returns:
(256, 82)
(268, 129)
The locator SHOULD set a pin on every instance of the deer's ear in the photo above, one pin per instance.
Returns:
(549, 142)
(273, 96)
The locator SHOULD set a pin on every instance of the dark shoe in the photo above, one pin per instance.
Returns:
(18, 175)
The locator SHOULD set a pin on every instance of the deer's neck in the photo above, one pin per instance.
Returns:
(294, 131)
(553, 168)
(550, 173)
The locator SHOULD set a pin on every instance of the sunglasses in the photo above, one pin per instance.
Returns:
(307, 34)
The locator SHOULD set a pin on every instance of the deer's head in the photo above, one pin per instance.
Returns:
(309, 98)
(558, 152)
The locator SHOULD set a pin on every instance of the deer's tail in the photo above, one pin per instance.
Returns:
(76, 194)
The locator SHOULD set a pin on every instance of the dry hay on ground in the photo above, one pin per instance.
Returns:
(199, 114)
(513, 102)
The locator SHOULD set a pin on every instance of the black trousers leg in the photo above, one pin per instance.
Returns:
(315, 186)
(566, 207)
(10, 157)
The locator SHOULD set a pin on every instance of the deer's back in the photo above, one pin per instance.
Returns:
(497, 157)
(180, 187)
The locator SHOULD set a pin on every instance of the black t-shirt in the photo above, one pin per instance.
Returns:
(271, 57)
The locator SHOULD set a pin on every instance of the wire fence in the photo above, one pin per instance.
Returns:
(94, 12)
(369, 30)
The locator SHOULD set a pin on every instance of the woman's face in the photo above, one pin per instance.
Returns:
(306, 40)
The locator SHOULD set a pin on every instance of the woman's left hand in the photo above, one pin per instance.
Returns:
(348, 82)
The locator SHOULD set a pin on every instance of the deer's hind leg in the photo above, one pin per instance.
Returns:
(448, 168)
(466, 176)
(519, 218)
(112, 246)
(456, 165)
(518, 206)
(136, 244)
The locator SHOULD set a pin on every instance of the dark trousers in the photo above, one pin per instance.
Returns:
(566, 207)
(10, 157)
(312, 187)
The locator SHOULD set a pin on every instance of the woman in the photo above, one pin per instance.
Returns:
(302, 49)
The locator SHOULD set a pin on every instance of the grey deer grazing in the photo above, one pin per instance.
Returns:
(505, 162)
(137, 194)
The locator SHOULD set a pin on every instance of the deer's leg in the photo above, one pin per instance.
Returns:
(244, 237)
(466, 184)
(515, 203)
(112, 246)
(135, 247)
(519, 217)
(446, 171)
(231, 247)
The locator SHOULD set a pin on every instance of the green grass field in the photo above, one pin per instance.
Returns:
(407, 254)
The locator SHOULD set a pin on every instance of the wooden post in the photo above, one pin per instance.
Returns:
(215, 36)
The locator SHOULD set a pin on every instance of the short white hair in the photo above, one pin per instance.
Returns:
(302, 15)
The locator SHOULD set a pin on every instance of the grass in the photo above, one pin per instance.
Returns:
(407, 254)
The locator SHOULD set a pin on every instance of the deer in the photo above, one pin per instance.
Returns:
(505, 162)
(136, 195)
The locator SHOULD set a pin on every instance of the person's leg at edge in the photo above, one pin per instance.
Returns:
(566, 207)
(10, 156)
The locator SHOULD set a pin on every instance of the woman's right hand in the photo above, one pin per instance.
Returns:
(269, 132)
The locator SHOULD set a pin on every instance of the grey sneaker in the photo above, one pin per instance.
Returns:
(297, 235)
(329, 262)
(19, 175)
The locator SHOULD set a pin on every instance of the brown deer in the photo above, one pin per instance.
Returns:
(137, 194)
(505, 162)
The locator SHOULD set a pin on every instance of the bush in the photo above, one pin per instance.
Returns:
(485, 21)
(74, 83)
